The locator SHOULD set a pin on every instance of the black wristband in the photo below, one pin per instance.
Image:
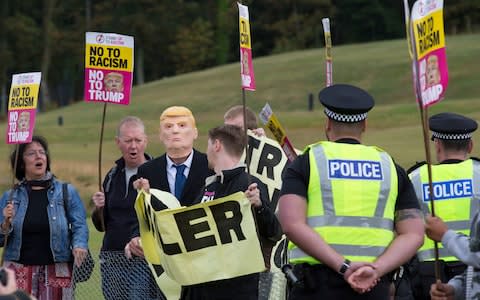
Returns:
(345, 266)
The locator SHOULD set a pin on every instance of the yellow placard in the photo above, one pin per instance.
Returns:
(108, 57)
(245, 40)
(23, 96)
(429, 34)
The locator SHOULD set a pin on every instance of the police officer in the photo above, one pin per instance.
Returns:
(339, 205)
(455, 188)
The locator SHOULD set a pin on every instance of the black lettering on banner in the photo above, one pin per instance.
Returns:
(225, 224)
(96, 50)
(92, 60)
(15, 92)
(188, 230)
(169, 249)
(108, 62)
(25, 91)
(146, 217)
(258, 165)
(158, 269)
(421, 29)
(277, 133)
(116, 52)
(430, 24)
(269, 158)
(252, 144)
(21, 102)
(96, 58)
(244, 39)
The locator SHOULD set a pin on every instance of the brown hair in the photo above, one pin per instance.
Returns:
(20, 170)
(237, 110)
(232, 137)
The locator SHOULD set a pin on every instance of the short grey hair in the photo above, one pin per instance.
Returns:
(131, 120)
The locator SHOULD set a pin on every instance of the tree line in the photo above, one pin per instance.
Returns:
(178, 36)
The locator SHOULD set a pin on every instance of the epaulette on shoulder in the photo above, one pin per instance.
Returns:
(416, 166)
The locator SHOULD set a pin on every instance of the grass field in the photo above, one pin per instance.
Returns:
(284, 80)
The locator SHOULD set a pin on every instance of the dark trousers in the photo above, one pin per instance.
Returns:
(239, 288)
(424, 276)
(321, 282)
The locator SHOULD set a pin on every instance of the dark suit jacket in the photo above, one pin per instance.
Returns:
(156, 172)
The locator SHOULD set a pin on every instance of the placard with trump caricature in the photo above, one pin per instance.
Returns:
(108, 67)
(429, 36)
(22, 106)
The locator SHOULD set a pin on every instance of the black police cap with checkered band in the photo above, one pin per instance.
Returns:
(451, 126)
(346, 103)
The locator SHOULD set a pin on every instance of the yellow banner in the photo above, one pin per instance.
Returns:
(196, 244)
(151, 239)
(429, 34)
(23, 97)
(267, 163)
(108, 57)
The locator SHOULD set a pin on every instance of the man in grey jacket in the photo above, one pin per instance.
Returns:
(467, 249)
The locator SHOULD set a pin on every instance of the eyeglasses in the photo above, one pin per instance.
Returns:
(36, 152)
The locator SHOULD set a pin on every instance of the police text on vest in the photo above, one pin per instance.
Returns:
(448, 189)
(354, 169)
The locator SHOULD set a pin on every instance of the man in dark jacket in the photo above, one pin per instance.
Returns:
(114, 214)
(224, 151)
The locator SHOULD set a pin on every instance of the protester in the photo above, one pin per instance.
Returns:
(467, 249)
(178, 133)
(339, 205)
(234, 116)
(451, 134)
(123, 278)
(43, 233)
(225, 148)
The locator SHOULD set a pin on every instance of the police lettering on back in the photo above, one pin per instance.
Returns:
(448, 189)
(354, 169)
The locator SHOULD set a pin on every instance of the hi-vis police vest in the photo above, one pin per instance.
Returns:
(351, 200)
(456, 193)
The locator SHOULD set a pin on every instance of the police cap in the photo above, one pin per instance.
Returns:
(451, 126)
(346, 103)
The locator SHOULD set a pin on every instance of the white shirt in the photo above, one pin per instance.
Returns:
(172, 171)
(128, 174)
